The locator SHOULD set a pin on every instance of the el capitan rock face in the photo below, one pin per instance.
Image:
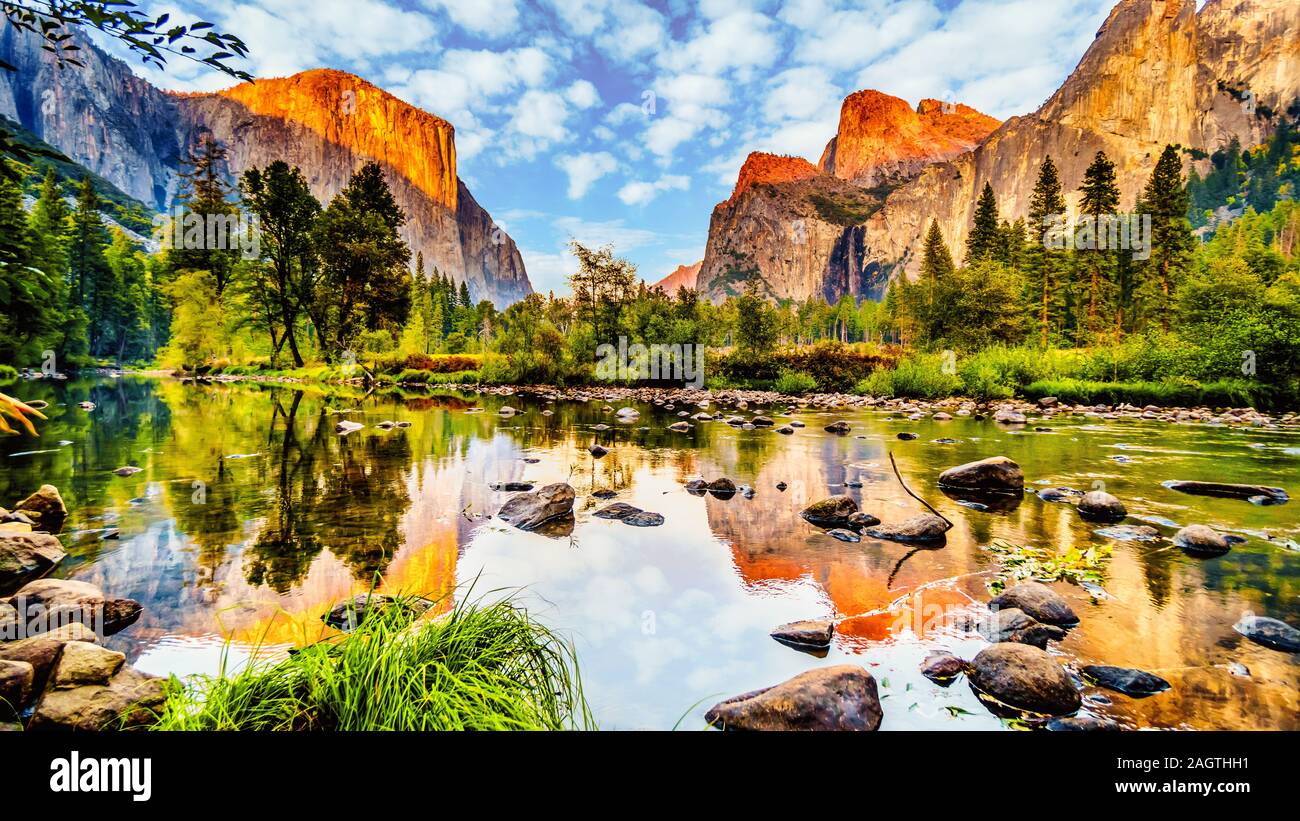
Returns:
(883, 140)
(1157, 73)
(326, 122)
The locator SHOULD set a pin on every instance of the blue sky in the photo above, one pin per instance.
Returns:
(626, 122)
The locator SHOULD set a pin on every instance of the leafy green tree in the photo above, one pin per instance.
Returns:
(208, 237)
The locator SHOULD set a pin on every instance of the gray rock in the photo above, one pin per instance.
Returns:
(644, 518)
(348, 614)
(1024, 678)
(1100, 506)
(924, 528)
(15, 687)
(1272, 633)
(680, 427)
(48, 506)
(597, 451)
(129, 699)
(942, 668)
(528, 511)
(860, 520)
(807, 633)
(1199, 540)
(840, 427)
(843, 697)
(27, 554)
(1134, 683)
(83, 662)
(832, 512)
(618, 510)
(1268, 495)
(1083, 724)
(63, 601)
(996, 474)
(1015, 625)
(844, 535)
(1038, 601)
(42, 651)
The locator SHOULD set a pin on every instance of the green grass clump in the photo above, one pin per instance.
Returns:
(478, 667)
(1167, 393)
(923, 376)
(794, 383)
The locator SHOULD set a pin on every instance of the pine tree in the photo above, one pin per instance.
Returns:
(936, 260)
(983, 241)
(1165, 199)
(1099, 203)
(22, 291)
(88, 271)
(208, 233)
(1043, 264)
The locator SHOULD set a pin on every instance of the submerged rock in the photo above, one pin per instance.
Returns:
(925, 528)
(644, 518)
(1134, 683)
(528, 511)
(345, 427)
(996, 474)
(1202, 541)
(1024, 678)
(1129, 533)
(618, 510)
(1038, 601)
(1100, 506)
(597, 451)
(1085, 724)
(844, 535)
(722, 488)
(1058, 494)
(680, 427)
(130, 470)
(843, 697)
(512, 487)
(1272, 633)
(346, 615)
(840, 427)
(1267, 495)
(1016, 625)
(806, 633)
(906, 436)
(859, 520)
(831, 512)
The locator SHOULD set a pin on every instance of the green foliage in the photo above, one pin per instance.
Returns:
(794, 383)
(486, 666)
(844, 208)
(921, 376)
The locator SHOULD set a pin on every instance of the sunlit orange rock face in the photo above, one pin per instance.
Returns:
(882, 139)
(684, 276)
(761, 168)
(348, 111)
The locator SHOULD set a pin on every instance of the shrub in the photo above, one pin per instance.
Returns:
(917, 377)
(795, 383)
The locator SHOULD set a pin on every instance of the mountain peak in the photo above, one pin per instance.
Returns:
(684, 275)
(763, 168)
(882, 139)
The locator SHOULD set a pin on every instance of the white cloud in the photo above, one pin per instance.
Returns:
(492, 18)
(582, 94)
(640, 192)
(584, 169)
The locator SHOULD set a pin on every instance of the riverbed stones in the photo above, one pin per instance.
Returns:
(1038, 601)
(1202, 541)
(1130, 682)
(27, 554)
(62, 601)
(841, 427)
(907, 436)
(128, 699)
(815, 633)
(48, 507)
(1100, 506)
(942, 668)
(832, 512)
(859, 520)
(15, 687)
(924, 528)
(1083, 724)
(1009, 416)
(528, 511)
(843, 697)
(1272, 633)
(343, 428)
(996, 474)
(1024, 678)
(722, 488)
(844, 535)
(42, 651)
(1015, 625)
(512, 487)
(83, 662)
(598, 451)
(1265, 494)
(1129, 533)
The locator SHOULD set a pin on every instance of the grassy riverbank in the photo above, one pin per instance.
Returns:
(478, 667)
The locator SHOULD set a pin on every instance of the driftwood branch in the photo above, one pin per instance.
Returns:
(909, 492)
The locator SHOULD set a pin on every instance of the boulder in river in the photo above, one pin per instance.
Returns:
(1272, 633)
(859, 520)
(347, 614)
(129, 470)
(1100, 506)
(1038, 601)
(680, 427)
(27, 554)
(840, 427)
(512, 487)
(925, 528)
(722, 488)
(42, 651)
(1009, 416)
(843, 697)
(1202, 541)
(1083, 724)
(1263, 493)
(644, 518)
(844, 535)
(1024, 678)
(528, 511)
(996, 474)
(597, 451)
(1011, 624)
(127, 699)
(832, 512)
(907, 436)
(942, 668)
(48, 505)
(1133, 683)
(1129, 533)
(806, 633)
(345, 427)
(15, 687)
(63, 601)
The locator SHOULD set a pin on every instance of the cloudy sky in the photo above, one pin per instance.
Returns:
(626, 122)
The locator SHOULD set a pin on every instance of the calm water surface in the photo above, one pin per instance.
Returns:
(252, 516)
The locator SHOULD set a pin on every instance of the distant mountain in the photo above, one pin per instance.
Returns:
(326, 122)
(684, 277)
(1158, 72)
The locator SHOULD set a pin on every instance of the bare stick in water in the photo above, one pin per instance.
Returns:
(914, 496)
